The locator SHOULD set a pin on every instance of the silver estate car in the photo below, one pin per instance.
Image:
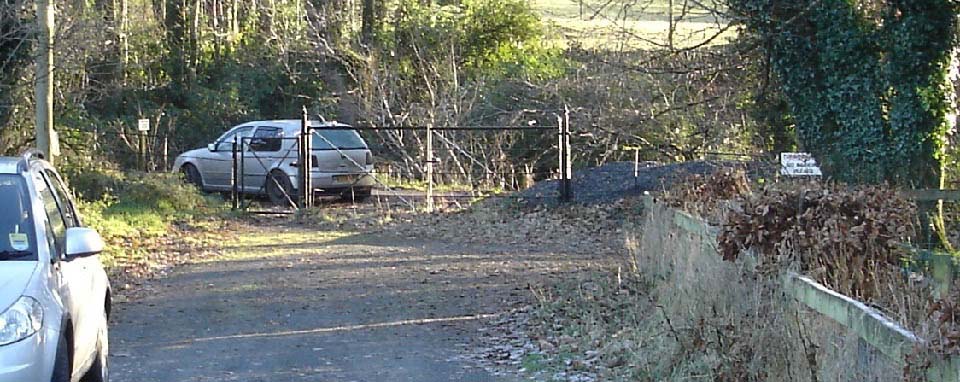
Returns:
(55, 294)
(341, 161)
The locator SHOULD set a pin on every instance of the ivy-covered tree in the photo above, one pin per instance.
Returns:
(866, 81)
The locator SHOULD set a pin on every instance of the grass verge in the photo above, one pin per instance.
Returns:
(149, 221)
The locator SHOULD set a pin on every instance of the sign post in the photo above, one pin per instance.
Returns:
(143, 127)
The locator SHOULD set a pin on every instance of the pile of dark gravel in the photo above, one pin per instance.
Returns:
(613, 181)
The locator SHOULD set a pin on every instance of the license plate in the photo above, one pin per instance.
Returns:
(345, 178)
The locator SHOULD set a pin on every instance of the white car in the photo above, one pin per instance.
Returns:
(341, 161)
(54, 291)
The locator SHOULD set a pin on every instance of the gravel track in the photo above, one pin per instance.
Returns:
(291, 303)
(613, 181)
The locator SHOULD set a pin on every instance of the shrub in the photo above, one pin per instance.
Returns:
(844, 236)
(122, 205)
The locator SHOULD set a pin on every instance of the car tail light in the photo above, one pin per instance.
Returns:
(369, 158)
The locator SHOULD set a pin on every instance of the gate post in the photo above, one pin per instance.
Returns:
(429, 167)
(305, 161)
(563, 145)
(234, 190)
(560, 162)
(241, 179)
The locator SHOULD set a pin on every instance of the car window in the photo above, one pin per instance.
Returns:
(18, 240)
(343, 139)
(63, 199)
(56, 224)
(267, 139)
(225, 142)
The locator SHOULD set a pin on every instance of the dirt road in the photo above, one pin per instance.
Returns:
(294, 304)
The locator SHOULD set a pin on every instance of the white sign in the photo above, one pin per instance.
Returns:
(799, 164)
(143, 125)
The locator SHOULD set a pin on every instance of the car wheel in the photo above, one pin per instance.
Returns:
(356, 195)
(99, 371)
(61, 365)
(280, 189)
(192, 175)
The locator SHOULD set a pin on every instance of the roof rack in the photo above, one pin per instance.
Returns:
(27, 156)
(32, 154)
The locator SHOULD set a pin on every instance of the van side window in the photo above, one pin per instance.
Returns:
(267, 139)
(225, 143)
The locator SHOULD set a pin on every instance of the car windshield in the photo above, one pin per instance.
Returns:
(17, 238)
(343, 139)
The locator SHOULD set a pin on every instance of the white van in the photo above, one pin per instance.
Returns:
(341, 161)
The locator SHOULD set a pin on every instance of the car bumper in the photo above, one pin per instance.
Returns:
(327, 181)
(28, 360)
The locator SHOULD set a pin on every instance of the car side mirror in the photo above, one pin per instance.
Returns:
(212, 147)
(82, 241)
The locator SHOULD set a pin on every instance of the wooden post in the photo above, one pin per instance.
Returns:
(44, 80)
(429, 167)
(142, 151)
(566, 177)
(96, 139)
(166, 153)
(560, 159)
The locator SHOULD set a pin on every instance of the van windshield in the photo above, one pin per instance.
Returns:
(343, 139)
(17, 238)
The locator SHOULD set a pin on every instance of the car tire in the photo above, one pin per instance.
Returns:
(358, 195)
(99, 371)
(61, 364)
(192, 175)
(277, 183)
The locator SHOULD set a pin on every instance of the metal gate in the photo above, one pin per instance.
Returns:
(432, 167)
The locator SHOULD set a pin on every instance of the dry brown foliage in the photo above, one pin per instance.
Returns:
(840, 235)
(705, 195)
(844, 236)
(945, 316)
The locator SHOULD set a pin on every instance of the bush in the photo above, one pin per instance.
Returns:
(165, 194)
(845, 237)
(123, 205)
(93, 185)
(132, 210)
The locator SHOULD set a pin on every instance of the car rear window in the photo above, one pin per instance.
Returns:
(17, 238)
(343, 139)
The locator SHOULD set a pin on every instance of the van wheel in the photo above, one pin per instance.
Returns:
(192, 175)
(280, 189)
(61, 365)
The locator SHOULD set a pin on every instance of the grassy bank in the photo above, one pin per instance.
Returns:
(147, 220)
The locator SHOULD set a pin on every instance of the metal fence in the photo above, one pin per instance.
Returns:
(416, 166)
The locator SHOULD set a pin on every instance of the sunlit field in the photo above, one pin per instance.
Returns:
(644, 25)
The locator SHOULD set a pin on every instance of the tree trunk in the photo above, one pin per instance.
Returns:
(175, 24)
(368, 19)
